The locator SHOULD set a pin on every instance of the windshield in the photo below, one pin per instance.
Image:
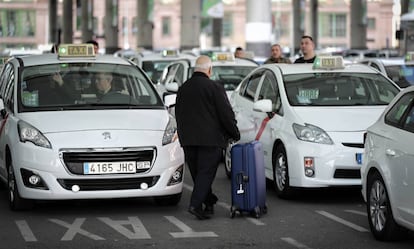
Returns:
(339, 89)
(85, 86)
(403, 75)
(154, 68)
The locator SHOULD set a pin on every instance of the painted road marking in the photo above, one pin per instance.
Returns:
(342, 221)
(187, 232)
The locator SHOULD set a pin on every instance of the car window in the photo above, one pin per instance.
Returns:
(230, 76)
(339, 89)
(75, 85)
(249, 87)
(403, 75)
(400, 115)
(270, 90)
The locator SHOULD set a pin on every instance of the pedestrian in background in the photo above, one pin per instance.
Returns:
(307, 46)
(277, 56)
(205, 123)
(95, 45)
(239, 52)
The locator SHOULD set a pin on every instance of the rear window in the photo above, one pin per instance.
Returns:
(339, 89)
(85, 86)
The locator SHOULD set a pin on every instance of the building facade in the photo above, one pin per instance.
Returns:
(24, 23)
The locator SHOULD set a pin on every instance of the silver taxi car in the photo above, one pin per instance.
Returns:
(310, 119)
(227, 70)
(388, 169)
(64, 137)
(154, 63)
(399, 70)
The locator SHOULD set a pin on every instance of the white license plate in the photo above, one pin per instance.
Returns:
(95, 168)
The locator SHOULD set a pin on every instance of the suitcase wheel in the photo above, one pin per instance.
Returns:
(233, 210)
(257, 212)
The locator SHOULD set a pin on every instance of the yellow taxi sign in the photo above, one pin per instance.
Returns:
(328, 62)
(169, 52)
(223, 57)
(76, 50)
(409, 57)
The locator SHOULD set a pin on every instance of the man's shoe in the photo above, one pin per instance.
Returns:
(198, 213)
(209, 209)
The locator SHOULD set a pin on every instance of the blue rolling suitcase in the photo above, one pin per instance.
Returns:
(248, 181)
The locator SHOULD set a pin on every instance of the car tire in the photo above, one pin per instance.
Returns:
(380, 217)
(227, 161)
(168, 200)
(16, 202)
(281, 173)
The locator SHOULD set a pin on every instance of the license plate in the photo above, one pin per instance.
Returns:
(358, 158)
(96, 168)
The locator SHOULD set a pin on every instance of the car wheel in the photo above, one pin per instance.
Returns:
(281, 173)
(168, 200)
(15, 201)
(380, 217)
(227, 161)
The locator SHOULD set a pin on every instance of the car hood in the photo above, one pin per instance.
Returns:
(65, 121)
(334, 119)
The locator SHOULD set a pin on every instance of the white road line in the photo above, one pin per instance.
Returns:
(294, 243)
(25, 230)
(356, 212)
(228, 206)
(187, 232)
(342, 221)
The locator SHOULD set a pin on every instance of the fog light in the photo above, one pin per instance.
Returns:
(34, 179)
(176, 177)
(75, 188)
(144, 185)
(308, 163)
(309, 172)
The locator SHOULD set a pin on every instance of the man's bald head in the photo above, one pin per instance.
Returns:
(203, 64)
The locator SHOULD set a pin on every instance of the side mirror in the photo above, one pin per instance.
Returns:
(263, 105)
(169, 100)
(172, 87)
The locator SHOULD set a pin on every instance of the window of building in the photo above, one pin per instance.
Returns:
(227, 25)
(17, 23)
(124, 25)
(332, 25)
(134, 25)
(371, 23)
(281, 24)
(166, 26)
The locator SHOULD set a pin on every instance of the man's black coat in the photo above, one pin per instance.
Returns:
(204, 114)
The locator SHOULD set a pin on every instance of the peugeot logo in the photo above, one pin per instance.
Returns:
(106, 135)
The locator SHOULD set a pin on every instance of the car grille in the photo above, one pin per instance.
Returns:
(108, 183)
(74, 159)
(348, 173)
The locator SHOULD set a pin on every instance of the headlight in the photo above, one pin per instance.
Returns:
(28, 133)
(311, 133)
(170, 133)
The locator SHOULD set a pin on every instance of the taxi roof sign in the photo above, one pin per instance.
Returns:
(169, 52)
(224, 56)
(409, 57)
(76, 50)
(328, 62)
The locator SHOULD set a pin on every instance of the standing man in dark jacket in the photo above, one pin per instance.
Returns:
(205, 123)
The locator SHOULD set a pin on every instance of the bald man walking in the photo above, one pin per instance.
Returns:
(205, 123)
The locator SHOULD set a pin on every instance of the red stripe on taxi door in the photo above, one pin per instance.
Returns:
(262, 126)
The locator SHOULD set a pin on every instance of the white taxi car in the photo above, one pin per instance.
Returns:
(226, 69)
(310, 120)
(399, 70)
(388, 169)
(154, 63)
(69, 141)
